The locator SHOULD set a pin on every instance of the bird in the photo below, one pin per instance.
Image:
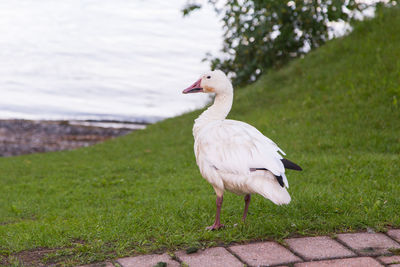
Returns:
(233, 155)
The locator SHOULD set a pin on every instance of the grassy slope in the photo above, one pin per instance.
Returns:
(334, 112)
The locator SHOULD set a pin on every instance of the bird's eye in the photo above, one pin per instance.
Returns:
(208, 77)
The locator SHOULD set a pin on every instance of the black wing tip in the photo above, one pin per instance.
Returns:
(291, 165)
(280, 180)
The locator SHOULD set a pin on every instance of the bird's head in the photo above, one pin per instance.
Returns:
(211, 82)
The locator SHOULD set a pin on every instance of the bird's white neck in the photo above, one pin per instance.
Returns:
(217, 111)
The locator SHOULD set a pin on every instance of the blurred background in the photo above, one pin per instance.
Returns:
(77, 72)
(117, 60)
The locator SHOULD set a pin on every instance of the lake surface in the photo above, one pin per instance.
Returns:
(125, 60)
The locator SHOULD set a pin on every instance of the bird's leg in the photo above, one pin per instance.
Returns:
(246, 206)
(217, 224)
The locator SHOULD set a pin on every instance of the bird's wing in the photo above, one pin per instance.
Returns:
(236, 147)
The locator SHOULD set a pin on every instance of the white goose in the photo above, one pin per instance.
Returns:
(233, 155)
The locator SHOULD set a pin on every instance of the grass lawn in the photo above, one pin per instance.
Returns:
(335, 112)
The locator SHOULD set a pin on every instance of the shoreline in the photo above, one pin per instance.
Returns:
(19, 136)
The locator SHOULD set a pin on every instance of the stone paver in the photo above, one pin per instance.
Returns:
(368, 243)
(148, 261)
(395, 234)
(266, 253)
(101, 264)
(210, 257)
(314, 251)
(350, 262)
(319, 247)
(390, 259)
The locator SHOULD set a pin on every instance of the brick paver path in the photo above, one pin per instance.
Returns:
(345, 250)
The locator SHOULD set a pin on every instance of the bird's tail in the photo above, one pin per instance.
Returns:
(265, 184)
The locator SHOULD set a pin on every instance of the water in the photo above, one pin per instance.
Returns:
(123, 60)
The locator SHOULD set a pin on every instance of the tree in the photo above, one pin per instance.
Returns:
(260, 34)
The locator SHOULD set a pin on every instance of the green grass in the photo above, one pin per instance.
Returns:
(336, 113)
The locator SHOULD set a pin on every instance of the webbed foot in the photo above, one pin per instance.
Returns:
(215, 226)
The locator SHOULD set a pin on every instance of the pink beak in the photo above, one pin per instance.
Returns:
(194, 88)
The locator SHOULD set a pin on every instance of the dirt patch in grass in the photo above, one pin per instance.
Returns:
(34, 257)
(3, 261)
(46, 256)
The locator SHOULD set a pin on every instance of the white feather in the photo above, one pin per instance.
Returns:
(226, 150)
(236, 147)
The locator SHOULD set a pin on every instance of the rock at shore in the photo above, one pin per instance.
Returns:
(19, 137)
